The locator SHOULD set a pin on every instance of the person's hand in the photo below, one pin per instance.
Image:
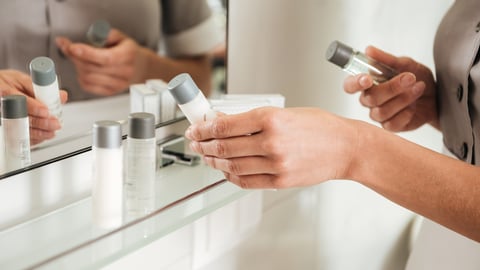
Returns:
(403, 103)
(105, 71)
(42, 124)
(277, 148)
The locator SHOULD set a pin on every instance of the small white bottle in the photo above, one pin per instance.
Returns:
(45, 85)
(16, 132)
(141, 165)
(355, 62)
(190, 99)
(107, 180)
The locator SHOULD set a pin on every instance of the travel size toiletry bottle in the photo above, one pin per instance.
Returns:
(107, 182)
(141, 165)
(355, 62)
(97, 33)
(45, 84)
(16, 132)
(190, 99)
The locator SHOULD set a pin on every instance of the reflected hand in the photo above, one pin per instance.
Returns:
(277, 148)
(42, 124)
(105, 71)
(403, 103)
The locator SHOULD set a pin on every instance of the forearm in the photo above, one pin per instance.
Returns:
(155, 66)
(436, 186)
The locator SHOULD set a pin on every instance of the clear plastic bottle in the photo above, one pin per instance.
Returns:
(97, 33)
(190, 99)
(355, 62)
(140, 165)
(107, 182)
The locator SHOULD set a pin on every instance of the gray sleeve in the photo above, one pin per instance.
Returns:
(180, 15)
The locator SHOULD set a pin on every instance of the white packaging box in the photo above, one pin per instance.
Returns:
(145, 99)
(168, 106)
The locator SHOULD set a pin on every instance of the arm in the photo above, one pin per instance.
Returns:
(42, 124)
(281, 148)
(111, 70)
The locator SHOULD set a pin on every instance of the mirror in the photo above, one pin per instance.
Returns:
(82, 110)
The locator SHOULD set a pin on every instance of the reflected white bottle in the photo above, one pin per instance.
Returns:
(107, 182)
(190, 99)
(45, 85)
(16, 132)
(141, 165)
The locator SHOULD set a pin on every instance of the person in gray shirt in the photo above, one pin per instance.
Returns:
(148, 39)
(282, 148)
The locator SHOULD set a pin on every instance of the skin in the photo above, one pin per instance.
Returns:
(293, 147)
(42, 124)
(111, 70)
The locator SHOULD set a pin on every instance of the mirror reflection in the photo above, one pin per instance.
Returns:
(144, 40)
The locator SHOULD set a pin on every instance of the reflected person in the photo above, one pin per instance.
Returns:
(296, 147)
(149, 39)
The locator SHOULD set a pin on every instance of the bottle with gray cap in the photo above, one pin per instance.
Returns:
(190, 99)
(45, 84)
(16, 132)
(107, 175)
(355, 62)
(140, 165)
(97, 33)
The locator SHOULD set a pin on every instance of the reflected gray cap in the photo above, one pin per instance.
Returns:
(42, 70)
(183, 88)
(107, 134)
(339, 53)
(141, 125)
(97, 33)
(14, 106)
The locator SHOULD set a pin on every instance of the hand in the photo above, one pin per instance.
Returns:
(42, 124)
(277, 148)
(105, 71)
(403, 103)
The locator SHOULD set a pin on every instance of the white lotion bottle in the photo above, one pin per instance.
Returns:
(16, 132)
(141, 165)
(45, 84)
(190, 99)
(107, 181)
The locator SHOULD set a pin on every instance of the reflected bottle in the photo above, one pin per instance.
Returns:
(97, 33)
(16, 132)
(140, 165)
(107, 182)
(45, 85)
(355, 62)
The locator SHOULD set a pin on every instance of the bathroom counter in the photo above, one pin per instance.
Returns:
(68, 236)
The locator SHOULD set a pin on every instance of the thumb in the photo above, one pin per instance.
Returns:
(382, 56)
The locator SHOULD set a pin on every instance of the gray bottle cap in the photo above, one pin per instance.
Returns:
(183, 88)
(14, 107)
(141, 125)
(97, 33)
(339, 53)
(107, 134)
(42, 70)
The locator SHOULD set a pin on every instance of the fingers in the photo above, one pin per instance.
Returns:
(382, 56)
(392, 107)
(242, 165)
(102, 84)
(357, 83)
(227, 126)
(255, 181)
(228, 148)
